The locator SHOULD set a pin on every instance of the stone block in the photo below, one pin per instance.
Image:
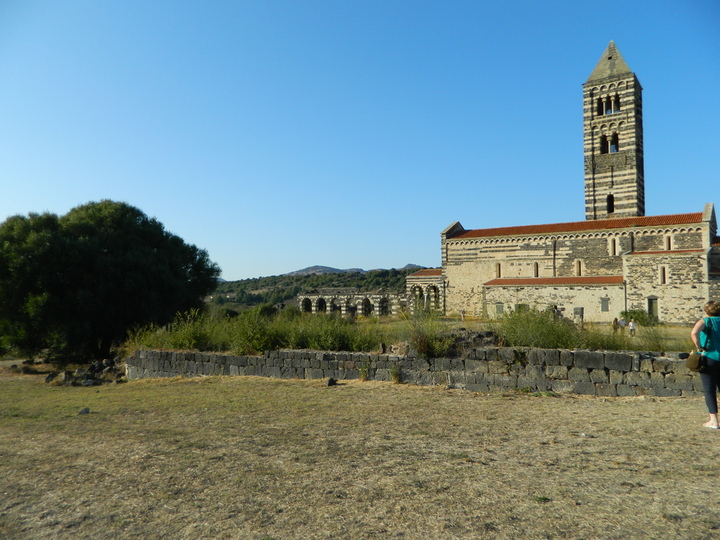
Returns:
(507, 355)
(625, 390)
(599, 376)
(589, 359)
(586, 388)
(636, 378)
(567, 358)
(491, 354)
(505, 382)
(578, 375)
(550, 357)
(442, 364)
(618, 361)
(534, 372)
(602, 389)
(535, 357)
(439, 377)
(657, 380)
(666, 392)
(616, 377)
(475, 365)
(497, 368)
(516, 369)
(678, 382)
(457, 364)
(556, 372)
(533, 383)
(314, 373)
(562, 387)
(679, 368)
(646, 365)
(662, 365)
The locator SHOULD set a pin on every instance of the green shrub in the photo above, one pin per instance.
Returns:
(529, 328)
(642, 317)
(428, 335)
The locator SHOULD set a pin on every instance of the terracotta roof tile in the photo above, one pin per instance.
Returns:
(573, 280)
(427, 272)
(590, 225)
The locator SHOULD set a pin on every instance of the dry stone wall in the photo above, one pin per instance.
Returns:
(490, 369)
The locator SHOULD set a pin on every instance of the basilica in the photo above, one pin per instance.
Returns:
(618, 259)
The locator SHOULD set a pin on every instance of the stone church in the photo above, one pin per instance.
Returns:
(618, 259)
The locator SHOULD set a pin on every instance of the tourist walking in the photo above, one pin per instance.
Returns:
(631, 327)
(615, 325)
(705, 336)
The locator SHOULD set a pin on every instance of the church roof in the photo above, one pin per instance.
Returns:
(611, 64)
(573, 280)
(589, 225)
(427, 272)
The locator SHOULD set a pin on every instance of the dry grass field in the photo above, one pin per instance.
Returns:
(245, 457)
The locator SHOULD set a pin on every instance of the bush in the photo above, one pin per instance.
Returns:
(642, 317)
(427, 335)
(529, 328)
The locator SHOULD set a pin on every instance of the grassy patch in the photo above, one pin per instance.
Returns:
(529, 328)
(246, 457)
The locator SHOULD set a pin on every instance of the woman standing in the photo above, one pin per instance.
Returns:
(705, 336)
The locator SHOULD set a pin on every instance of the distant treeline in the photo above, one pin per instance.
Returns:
(282, 289)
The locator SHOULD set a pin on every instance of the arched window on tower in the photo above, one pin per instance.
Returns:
(578, 268)
(498, 270)
(614, 143)
(616, 103)
(608, 105)
(610, 203)
(536, 270)
(603, 144)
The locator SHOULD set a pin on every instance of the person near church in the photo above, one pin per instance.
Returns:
(705, 336)
(631, 327)
(615, 325)
(622, 323)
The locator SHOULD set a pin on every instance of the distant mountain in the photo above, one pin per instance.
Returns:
(310, 270)
(319, 270)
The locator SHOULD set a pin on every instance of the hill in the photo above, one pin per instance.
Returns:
(282, 289)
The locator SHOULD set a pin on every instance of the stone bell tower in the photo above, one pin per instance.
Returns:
(613, 140)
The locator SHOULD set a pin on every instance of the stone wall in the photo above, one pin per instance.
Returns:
(491, 369)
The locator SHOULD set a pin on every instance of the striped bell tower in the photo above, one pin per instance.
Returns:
(613, 140)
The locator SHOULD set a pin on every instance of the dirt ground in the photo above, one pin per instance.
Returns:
(246, 457)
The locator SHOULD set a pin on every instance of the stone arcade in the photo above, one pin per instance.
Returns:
(617, 259)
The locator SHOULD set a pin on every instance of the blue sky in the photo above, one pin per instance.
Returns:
(283, 134)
